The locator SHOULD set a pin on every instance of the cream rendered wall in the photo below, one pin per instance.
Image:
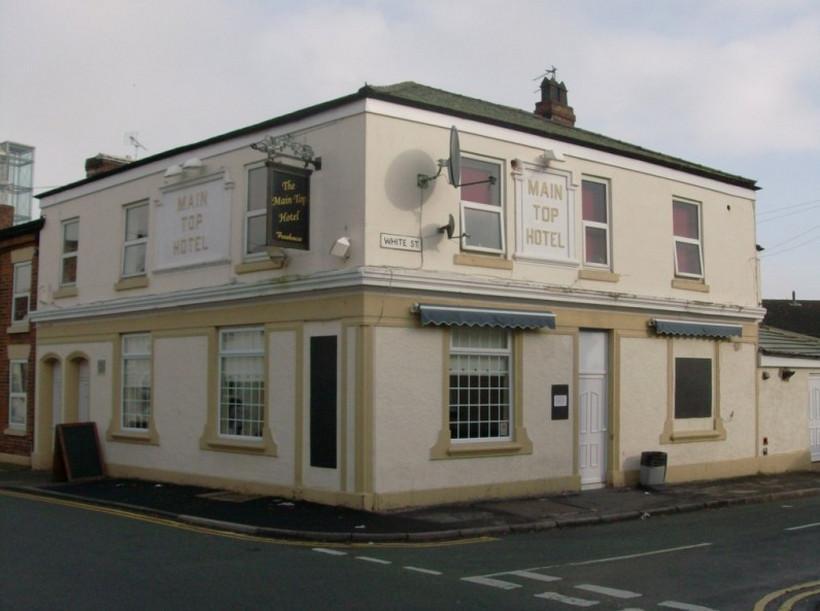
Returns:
(408, 409)
(784, 410)
(180, 400)
(337, 209)
(644, 401)
(641, 236)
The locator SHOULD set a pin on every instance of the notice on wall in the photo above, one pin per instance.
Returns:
(192, 225)
(545, 216)
(289, 210)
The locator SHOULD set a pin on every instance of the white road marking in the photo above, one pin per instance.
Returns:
(493, 583)
(588, 587)
(684, 606)
(535, 576)
(421, 570)
(376, 560)
(802, 526)
(630, 556)
(567, 600)
(329, 552)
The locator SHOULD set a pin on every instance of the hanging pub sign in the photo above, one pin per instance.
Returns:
(289, 206)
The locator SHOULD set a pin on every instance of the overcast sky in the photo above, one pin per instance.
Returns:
(732, 84)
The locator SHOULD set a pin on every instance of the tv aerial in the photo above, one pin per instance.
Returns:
(131, 140)
(453, 165)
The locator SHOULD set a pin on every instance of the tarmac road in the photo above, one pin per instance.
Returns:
(60, 555)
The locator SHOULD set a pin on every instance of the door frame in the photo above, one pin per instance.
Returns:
(606, 374)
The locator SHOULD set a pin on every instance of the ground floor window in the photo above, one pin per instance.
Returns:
(136, 381)
(480, 374)
(241, 382)
(18, 395)
(693, 388)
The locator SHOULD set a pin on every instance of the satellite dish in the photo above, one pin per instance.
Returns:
(449, 228)
(454, 162)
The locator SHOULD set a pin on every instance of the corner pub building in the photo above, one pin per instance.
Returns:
(300, 317)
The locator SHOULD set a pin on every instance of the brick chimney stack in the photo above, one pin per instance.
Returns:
(553, 104)
(100, 163)
(6, 216)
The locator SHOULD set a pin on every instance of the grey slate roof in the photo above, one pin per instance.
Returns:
(802, 316)
(785, 343)
(415, 95)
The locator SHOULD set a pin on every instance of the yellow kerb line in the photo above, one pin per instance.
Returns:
(761, 604)
(229, 535)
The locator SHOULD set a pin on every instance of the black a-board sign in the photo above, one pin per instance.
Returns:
(288, 206)
(77, 454)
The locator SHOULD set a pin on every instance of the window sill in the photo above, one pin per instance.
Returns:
(482, 261)
(690, 285)
(15, 432)
(146, 438)
(693, 436)
(599, 275)
(132, 282)
(18, 327)
(479, 449)
(247, 267)
(65, 291)
(260, 447)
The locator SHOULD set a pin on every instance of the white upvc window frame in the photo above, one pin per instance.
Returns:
(222, 355)
(252, 214)
(498, 210)
(506, 353)
(684, 240)
(607, 227)
(126, 243)
(17, 293)
(18, 426)
(135, 356)
(74, 254)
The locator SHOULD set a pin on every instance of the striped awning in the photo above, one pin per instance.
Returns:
(691, 328)
(440, 315)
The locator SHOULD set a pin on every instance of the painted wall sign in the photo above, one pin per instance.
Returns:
(192, 224)
(546, 215)
(289, 209)
(400, 242)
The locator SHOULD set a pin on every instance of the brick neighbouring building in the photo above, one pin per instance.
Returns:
(18, 248)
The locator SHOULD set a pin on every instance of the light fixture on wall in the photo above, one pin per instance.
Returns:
(189, 165)
(341, 248)
(174, 171)
(786, 373)
(548, 156)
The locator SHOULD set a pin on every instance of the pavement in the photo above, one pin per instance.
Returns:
(282, 518)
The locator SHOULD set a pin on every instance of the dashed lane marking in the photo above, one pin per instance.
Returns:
(418, 569)
(329, 552)
(374, 560)
(493, 583)
(615, 593)
(672, 604)
(803, 526)
(567, 600)
(535, 576)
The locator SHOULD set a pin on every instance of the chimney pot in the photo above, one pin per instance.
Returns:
(553, 104)
(101, 163)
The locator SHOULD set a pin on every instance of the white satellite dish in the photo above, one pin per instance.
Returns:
(454, 162)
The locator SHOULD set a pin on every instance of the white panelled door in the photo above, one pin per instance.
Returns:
(593, 429)
(814, 417)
